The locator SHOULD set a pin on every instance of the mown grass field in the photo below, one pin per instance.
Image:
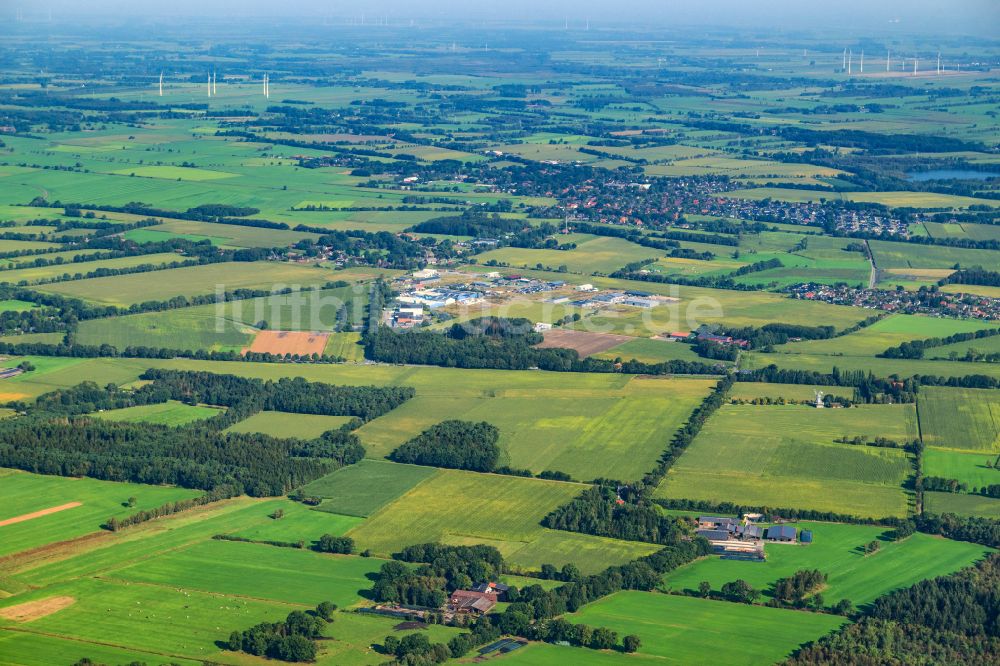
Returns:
(962, 505)
(171, 413)
(975, 469)
(25, 493)
(257, 570)
(297, 522)
(125, 290)
(279, 424)
(835, 551)
(686, 630)
(962, 419)
(503, 511)
(785, 456)
(364, 488)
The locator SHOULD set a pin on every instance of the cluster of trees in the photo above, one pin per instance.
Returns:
(977, 276)
(794, 589)
(380, 248)
(443, 570)
(453, 444)
(601, 512)
(965, 602)
(472, 222)
(943, 485)
(329, 543)
(284, 395)
(190, 457)
(873, 641)
(291, 640)
(769, 335)
(914, 349)
(415, 650)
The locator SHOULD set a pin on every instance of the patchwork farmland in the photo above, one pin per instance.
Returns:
(407, 339)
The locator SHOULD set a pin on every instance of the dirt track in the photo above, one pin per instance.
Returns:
(39, 514)
(32, 610)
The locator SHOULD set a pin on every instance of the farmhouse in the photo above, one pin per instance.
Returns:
(470, 601)
(731, 538)
(780, 533)
(498, 589)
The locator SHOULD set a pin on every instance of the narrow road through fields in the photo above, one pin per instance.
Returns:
(871, 259)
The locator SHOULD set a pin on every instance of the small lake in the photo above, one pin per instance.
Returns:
(951, 174)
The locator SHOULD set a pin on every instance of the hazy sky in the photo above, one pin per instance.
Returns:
(975, 16)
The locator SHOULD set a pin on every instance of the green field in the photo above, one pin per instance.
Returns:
(363, 488)
(25, 493)
(969, 468)
(648, 350)
(785, 456)
(171, 413)
(888, 254)
(892, 199)
(880, 367)
(230, 326)
(346, 346)
(835, 551)
(299, 523)
(599, 428)
(125, 290)
(259, 571)
(962, 505)
(452, 507)
(593, 254)
(539, 414)
(962, 419)
(34, 274)
(279, 424)
(686, 630)
(881, 335)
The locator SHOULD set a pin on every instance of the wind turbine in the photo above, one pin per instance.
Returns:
(862, 69)
(887, 52)
(208, 83)
(161, 84)
(850, 61)
(215, 87)
(939, 63)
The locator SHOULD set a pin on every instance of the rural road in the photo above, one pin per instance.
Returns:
(871, 260)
